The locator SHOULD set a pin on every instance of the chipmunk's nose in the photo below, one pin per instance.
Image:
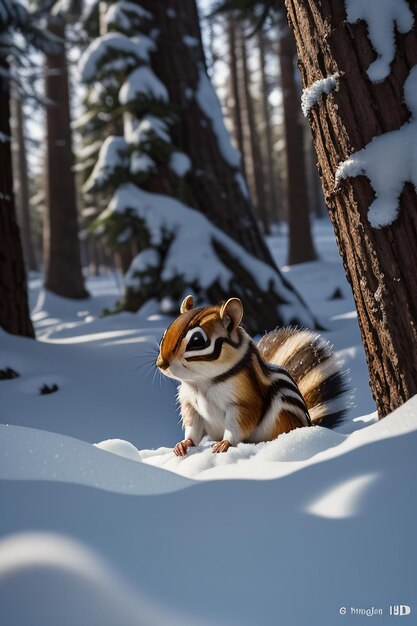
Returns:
(161, 362)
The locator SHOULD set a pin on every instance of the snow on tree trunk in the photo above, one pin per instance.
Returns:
(63, 274)
(14, 310)
(173, 179)
(301, 246)
(359, 129)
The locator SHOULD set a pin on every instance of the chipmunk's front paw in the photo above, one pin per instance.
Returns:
(181, 448)
(221, 446)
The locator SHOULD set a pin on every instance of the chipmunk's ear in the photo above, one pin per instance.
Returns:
(231, 313)
(187, 304)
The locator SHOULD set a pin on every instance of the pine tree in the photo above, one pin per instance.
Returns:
(178, 195)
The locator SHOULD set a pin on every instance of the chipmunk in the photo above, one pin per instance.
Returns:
(234, 390)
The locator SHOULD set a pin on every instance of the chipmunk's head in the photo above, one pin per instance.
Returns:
(202, 343)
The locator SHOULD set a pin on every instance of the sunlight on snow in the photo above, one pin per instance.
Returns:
(344, 499)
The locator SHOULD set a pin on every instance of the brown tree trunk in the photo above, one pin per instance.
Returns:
(63, 274)
(14, 309)
(20, 174)
(301, 247)
(258, 167)
(234, 80)
(212, 186)
(266, 113)
(379, 263)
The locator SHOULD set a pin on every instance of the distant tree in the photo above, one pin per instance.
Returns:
(178, 193)
(301, 246)
(14, 310)
(63, 273)
(271, 175)
(255, 144)
(364, 132)
(21, 182)
(234, 86)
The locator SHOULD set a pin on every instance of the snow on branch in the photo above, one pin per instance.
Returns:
(209, 103)
(381, 16)
(15, 16)
(192, 231)
(179, 163)
(101, 54)
(142, 82)
(389, 161)
(311, 95)
(113, 157)
(139, 132)
(125, 16)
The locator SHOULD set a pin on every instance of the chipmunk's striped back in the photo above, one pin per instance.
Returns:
(315, 368)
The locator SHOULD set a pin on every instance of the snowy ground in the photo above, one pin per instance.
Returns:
(93, 537)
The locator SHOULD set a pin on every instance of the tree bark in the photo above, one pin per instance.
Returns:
(20, 172)
(301, 247)
(379, 263)
(212, 186)
(63, 274)
(258, 167)
(14, 308)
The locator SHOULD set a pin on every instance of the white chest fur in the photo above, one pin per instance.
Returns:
(211, 403)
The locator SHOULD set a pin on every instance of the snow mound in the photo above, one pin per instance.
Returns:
(64, 582)
(121, 448)
(31, 454)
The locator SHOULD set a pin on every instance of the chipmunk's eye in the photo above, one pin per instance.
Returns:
(197, 341)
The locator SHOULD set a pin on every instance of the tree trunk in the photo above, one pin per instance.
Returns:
(266, 113)
(234, 80)
(63, 274)
(20, 175)
(213, 185)
(14, 309)
(379, 263)
(258, 167)
(301, 247)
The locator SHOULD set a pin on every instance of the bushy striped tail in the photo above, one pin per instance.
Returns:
(315, 368)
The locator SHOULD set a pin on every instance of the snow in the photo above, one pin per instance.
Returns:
(4, 138)
(209, 103)
(389, 161)
(64, 582)
(99, 58)
(141, 163)
(382, 17)
(242, 185)
(126, 533)
(113, 156)
(125, 15)
(190, 42)
(142, 82)
(179, 163)
(141, 132)
(311, 95)
(164, 213)
(146, 259)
